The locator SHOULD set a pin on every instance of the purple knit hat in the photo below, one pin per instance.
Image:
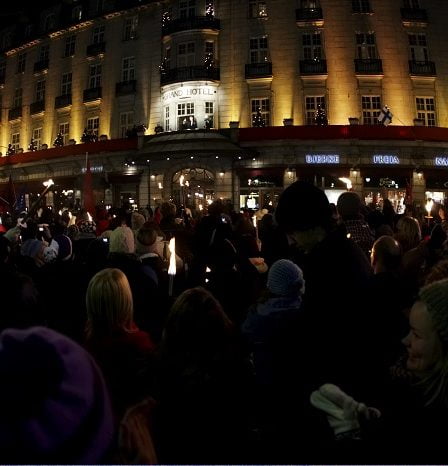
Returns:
(54, 403)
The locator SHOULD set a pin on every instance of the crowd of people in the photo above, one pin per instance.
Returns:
(312, 333)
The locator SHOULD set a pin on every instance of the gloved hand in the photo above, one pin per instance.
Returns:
(343, 412)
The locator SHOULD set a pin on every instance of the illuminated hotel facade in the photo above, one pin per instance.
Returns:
(229, 93)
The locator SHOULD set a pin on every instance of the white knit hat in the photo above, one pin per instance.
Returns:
(285, 278)
(122, 240)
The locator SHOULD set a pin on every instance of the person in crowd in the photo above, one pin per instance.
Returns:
(137, 221)
(122, 350)
(389, 213)
(55, 405)
(408, 233)
(349, 208)
(378, 224)
(438, 272)
(204, 385)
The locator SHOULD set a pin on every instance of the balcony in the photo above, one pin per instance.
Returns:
(189, 73)
(422, 68)
(194, 22)
(368, 66)
(309, 15)
(92, 94)
(96, 49)
(258, 70)
(37, 107)
(62, 101)
(41, 65)
(15, 113)
(126, 87)
(413, 15)
(313, 66)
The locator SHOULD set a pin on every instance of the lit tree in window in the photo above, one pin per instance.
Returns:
(258, 120)
(59, 141)
(166, 18)
(163, 68)
(208, 62)
(320, 119)
(209, 9)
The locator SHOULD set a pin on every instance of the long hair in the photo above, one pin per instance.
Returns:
(408, 233)
(109, 303)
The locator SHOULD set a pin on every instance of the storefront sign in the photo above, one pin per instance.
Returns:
(386, 160)
(322, 158)
(94, 169)
(187, 92)
(441, 161)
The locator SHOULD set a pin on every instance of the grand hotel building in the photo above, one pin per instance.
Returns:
(201, 75)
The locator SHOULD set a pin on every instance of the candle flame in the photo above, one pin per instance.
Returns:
(429, 205)
(89, 217)
(48, 183)
(254, 221)
(172, 249)
(181, 180)
(347, 182)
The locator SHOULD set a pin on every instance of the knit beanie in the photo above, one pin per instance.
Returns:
(54, 404)
(146, 237)
(285, 278)
(122, 240)
(435, 297)
(137, 220)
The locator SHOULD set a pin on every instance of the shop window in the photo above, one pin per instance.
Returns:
(40, 91)
(186, 54)
(37, 137)
(264, 107)
(98, 35)
(70, 43)
(185, 116)
(130, 28)
(258, 52)
(312, 103)
(17, 100)
(361, 6)
(21, 62)
(66, 84)
(426, 110)
(257, 9)
(187, 8)
(128, 69)
(15, 141)
(418, 47)
(167, 118)
(93, 125)
(95, 76)
(64, 129)
(126, 123)
(366, 46)
(312, 45)
(371, 107)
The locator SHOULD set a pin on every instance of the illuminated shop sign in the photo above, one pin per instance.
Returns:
(322, 158)
(386, 159)
(187, 92)
(441, 161)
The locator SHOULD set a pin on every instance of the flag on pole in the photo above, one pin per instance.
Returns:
(385, 116)
(89, 201)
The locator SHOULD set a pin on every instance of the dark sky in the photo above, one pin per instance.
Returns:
(11, 9)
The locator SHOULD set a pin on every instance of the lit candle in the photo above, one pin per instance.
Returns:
(428, 207)
(172, 266)
(89, 217)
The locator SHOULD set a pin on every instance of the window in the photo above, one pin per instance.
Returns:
(66, 84)
(187, 8)
(94, 76)
(361, 6)
(258, 49)
(210, 49)
(312, 46)
(167, 58)
(426, 110)
(418, 47)
(130, 28)
(17, 99)
(44, 52)
(37, 137)
(40, 91)
(365, 46)
(126, 123)
(128, 69)
(209, 123)
(77, 13)
(98, 35)
(257, 9)
(50, 22)
(185, 116)
(64, 129)
(70, 46)
(412, 4)
(21, 61)
(371, 107)
(185, 54)
(311, 105)
(262, 105)
(167, 119)
(15, 141)
(93, 125)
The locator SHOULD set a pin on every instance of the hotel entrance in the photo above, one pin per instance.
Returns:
(260, 189)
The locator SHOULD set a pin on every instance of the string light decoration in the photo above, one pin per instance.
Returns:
(166, 18)
(32, 146)
(208, 61)
(209, 9)
(59, 141)
(320, 118)
(258, 121)
(163, 68)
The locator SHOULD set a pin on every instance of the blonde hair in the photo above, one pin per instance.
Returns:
(408, 233)
(109, 303)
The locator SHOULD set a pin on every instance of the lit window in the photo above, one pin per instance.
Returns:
(312, 103)
(93, 125)
(257, 9)
(264, 107)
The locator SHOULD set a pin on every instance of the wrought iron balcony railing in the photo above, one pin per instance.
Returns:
(92, 94)
(14, 113)
(422, 68)
(309, 14)
(368, 66)
(189, 73)
(37, 107)
(126, 87)
(258, 70)
(96, 49)
(193, 22)
(41, 65)
(414, 15)
(62, 101)
(313, 66)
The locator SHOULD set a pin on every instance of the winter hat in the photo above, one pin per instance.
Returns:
(31, 247)
(65, 247)
(54, 404)
(122, 240)
(349, 205)
(137, 221)
(146, 237)
(303, 206)
(285, 278)
(435, 297)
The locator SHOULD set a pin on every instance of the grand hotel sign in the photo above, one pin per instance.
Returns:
(188, 92)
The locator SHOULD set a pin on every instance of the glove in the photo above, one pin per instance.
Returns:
(343, 412)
